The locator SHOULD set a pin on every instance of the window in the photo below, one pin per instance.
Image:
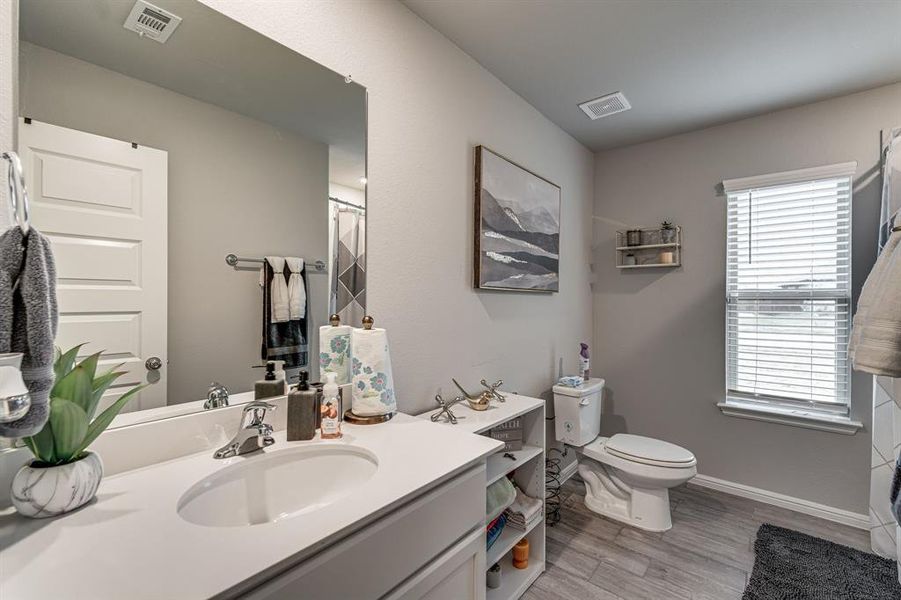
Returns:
(788, 292)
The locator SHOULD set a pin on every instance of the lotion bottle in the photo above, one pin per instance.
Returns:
(331, 422)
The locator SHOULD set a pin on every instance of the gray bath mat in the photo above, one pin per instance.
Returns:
(794, 566)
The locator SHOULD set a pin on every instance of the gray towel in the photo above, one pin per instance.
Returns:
(28, 319)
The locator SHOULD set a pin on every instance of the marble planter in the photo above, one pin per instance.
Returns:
(50, 491)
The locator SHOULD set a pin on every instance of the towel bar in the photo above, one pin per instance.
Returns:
(233, 260)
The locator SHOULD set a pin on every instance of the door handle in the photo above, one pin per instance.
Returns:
(153, 363)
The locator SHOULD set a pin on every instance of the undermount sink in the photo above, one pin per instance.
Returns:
(272, 486)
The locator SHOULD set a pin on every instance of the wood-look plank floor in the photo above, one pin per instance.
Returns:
(707, 555)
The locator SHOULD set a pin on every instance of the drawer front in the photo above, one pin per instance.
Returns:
(373, 561)
(458, 574)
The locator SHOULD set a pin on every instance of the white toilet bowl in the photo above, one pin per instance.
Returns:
(627, 478)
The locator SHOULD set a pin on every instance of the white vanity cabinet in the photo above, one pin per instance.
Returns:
(432, 547)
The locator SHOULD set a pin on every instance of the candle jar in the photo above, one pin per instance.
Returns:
(633, 237)
(521, 554)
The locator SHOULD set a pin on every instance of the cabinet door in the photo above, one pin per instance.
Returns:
(458, 574)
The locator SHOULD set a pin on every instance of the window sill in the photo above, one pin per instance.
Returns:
(793, 417)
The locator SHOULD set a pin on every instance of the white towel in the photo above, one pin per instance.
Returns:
(524, 510)
(278, 290)
(875, 345)
(297, 292)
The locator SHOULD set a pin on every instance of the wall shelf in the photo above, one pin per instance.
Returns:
(648, 246)
(652, 266)
(653, 250)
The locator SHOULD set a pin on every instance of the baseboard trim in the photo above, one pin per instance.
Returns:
(830, 513)
(568, 471)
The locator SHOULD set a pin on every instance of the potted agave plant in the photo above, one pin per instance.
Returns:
(64, 475)
(667, 232)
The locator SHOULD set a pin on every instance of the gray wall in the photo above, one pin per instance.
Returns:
(660, 333)
(235, 185)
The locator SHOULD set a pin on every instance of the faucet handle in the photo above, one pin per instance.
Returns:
(216, 397)
(257, 411)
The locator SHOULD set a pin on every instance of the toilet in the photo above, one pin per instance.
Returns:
(627, 477)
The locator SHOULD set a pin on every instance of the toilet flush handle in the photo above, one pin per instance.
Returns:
(584, 402)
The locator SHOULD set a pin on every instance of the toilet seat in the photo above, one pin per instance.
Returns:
(640, 449)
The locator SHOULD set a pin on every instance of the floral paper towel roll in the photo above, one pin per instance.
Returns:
(334, 352)
(373, 384)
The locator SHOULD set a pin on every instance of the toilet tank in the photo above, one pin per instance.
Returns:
(577, 412)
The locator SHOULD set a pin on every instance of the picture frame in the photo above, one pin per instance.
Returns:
(516, 227)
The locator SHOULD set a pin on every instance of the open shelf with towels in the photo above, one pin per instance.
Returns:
(650, 248)
(527, 470)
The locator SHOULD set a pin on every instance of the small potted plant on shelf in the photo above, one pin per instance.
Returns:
(64, 475)
(667, 233)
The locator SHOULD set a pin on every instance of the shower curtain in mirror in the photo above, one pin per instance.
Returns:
(348, 285)
(884, 532)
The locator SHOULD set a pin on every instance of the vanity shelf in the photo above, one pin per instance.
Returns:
(528, 472)
(653, 251)
(507, 540)
(499, 465)
(515, 582)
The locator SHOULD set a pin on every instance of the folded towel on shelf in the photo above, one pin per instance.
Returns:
(297, 291)
(524, 511)
(875, 343)
(571, 381)
(28, 320)
(278, 292)
(281, 340)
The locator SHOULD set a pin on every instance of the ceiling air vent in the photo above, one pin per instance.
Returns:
(151, 21)
(605, 106)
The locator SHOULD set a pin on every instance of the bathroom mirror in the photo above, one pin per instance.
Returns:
(160, 138)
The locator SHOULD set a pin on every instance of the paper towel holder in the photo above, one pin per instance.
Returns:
(355, 419)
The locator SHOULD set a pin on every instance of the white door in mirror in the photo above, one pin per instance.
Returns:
(103, 204)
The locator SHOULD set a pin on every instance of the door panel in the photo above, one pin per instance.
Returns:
(102, 204)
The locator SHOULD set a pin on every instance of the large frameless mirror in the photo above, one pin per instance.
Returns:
(169, 151)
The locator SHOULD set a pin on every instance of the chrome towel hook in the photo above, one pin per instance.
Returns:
(18, 195)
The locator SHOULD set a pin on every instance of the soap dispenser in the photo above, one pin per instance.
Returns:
(303, 406)
(331, 423)
(269, 386)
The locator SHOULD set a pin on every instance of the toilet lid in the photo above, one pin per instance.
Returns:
(648, 450)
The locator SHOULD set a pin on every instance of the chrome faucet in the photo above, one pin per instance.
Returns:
(216, 396)
(253, 434)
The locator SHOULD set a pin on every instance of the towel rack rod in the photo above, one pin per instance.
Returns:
(346, 203)
(232, 260)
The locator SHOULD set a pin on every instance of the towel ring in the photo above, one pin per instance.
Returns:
(18, 196)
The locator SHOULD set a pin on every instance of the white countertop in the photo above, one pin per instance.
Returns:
(477, 421)
(131, 543)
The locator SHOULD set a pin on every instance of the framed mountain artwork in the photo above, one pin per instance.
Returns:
(517, 227)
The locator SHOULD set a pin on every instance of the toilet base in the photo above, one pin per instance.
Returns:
(644, 509)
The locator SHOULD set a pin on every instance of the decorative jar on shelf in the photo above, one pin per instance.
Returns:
(629, 259)
(633, 237)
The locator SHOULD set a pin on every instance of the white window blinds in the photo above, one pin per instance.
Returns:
(788, 288)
